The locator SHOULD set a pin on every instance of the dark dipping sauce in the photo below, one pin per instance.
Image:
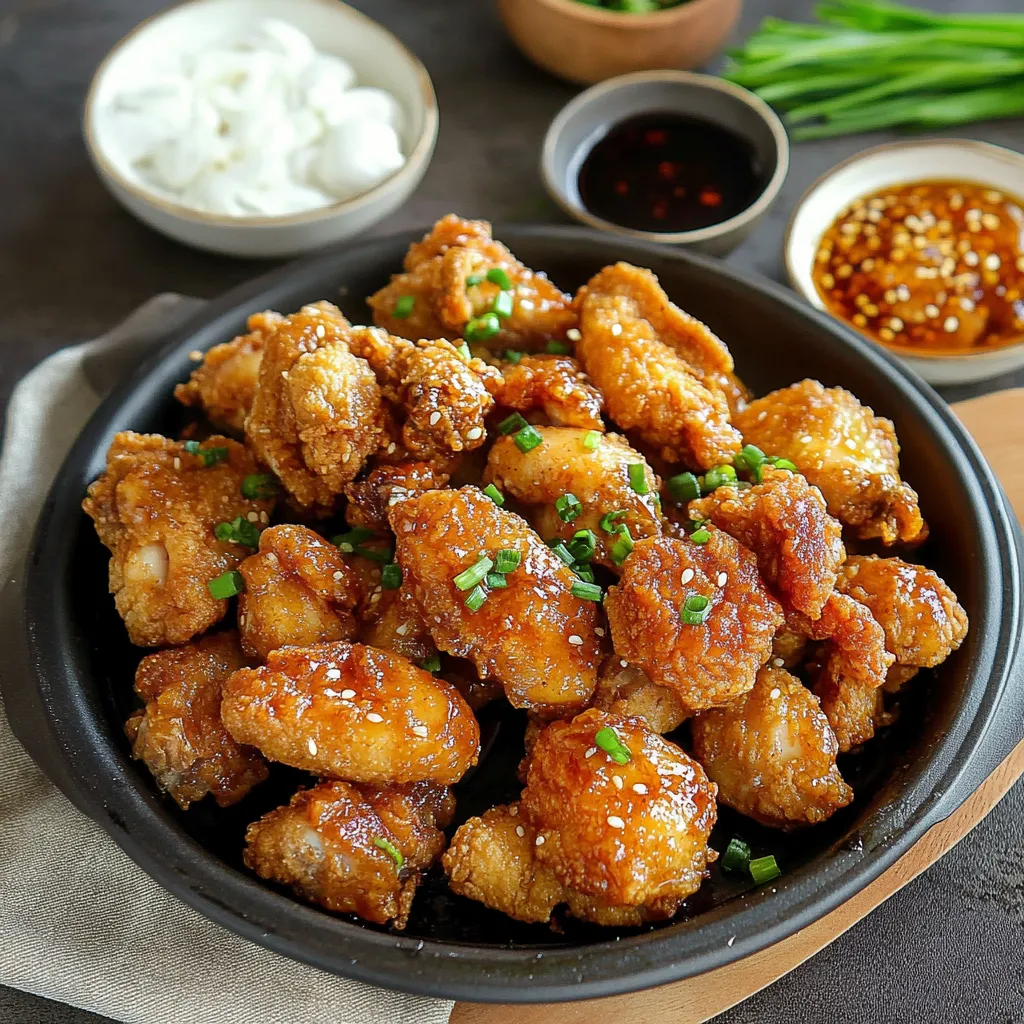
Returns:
(669, 172)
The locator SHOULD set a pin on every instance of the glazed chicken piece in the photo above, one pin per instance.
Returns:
(352, 712)
(772, 754)
(370, 498)
(551, 389)
(156, 507)
(179, 735)
(845, 450)
(318, 412)
(446, 278)
(783, 520)
(532, 635)
(922, 619)
(714, 658)
(224, 383)
(298, 591)
(351, 848)
(599, 478)
(624, 690)
(789, 647)
(392, 621)
(661, 372)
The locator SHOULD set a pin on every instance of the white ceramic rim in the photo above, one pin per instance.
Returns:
(919, 357)
(421, 150)
(695, 80)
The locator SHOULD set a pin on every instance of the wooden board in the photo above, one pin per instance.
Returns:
(997, 424)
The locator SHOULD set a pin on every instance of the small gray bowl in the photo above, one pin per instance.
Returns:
(583, 120)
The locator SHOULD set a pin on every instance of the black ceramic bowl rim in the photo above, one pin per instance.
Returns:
(99, 781)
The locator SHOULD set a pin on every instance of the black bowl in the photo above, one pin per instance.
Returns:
(67, 673)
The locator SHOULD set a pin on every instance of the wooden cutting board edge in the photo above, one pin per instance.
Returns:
(996, 422)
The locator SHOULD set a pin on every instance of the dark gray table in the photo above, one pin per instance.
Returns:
(948, 948)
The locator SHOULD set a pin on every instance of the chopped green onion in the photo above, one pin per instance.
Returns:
(784, 464)
(568, 507)
(510, 424)
(403, 307)
(347, 541)
(482, 327)
(700, 536)
(506, 560)
(583, 571)
(498, 276)
(431, 664)
(391, 576)
(608, 740)
(557, 348)
(561, 551)
(749, 459)
(382, 555)
(764, 869)
(463, 350)
(469, 578)
(226, 585)
(683, 487)
(696, 609)
(504, 303)
(239, 531)
(513, 357)
(210, 456)
(610, 522)
(527, 439)
(474, 279)
(638, 478)
(475, 598)
(391, 850)
(495, 580)
(587, 591)
(259, 485)
(582, 545)
(622, 547)
(494, 494)
(720, 476)
(591, 439)
(736, 856)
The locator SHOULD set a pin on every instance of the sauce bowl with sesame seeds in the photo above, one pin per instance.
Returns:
(920, 246)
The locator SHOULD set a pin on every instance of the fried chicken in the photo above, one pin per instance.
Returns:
(156, 507)
(392, 621)
(550, 389)
(224, 383)
(708, 663)
(845, 450)
(179, 735)
(661, 372)
(624, 690)
(773, 754)
(298, 591)
(533, 635)
(369, 498)
(599, 478)
(446, 277)
(352, 712)
(783, 520)
(318, 412)
(353, 849)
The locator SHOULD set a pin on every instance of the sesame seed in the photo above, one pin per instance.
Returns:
(196, 356)
(623, 663)
(347, 694)
(514, 810)
(992, 261)
(779, 662)
(599, 630)
(321, 331)
(687, 576)
(576, 641)
(334, 673)
(420, 730)
(330, 693)
(591, 752)
(896, 324)
(851, 444)
(971, 258)
(338, 574)
(264, 518)
(723, 578)
(526, 303)
(520, 831)
(639, 787)
(374, 717)
(539, 841)
(311, 745)
(950, 324)
(931, 309)
(617, 781)
(177, 462)
(775, 694)
(806, 439)
(615, 821)
(967, 305)
(391, 448)
(474, 432)
(616, 329)
(573, 335)
(253, 517)
(434, 417)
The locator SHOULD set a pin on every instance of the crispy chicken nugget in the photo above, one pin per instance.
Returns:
(709, 662)
(179, 735)
(318, 412)
(550, 389)
(773, 754)
(370, 498)
(298, 591)
(533, 634)
(783, 520)
(353, 849)
(624, 690)
(845, 450)
(224, 383)
(156, 507)
(393, 621)
(352, 712)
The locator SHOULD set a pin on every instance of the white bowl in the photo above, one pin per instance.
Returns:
(378, 58)
(893, 164)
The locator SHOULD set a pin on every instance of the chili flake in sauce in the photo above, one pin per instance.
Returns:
(929, 265)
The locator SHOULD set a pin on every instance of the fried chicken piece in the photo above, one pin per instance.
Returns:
(179, 735)
(638, 841)
(922, 619)
(392, 621)
(369, 498)
(661, 372)
(706, 664)
(773, 754)
(550, 389)
(352, 712)
(224, 383)
(156, 507)
(298, 591)
(783, 520)
(353, 849)
(843, 449)
(599, 478)
(788, 647)
(624, 690)
(533, 635)
(318, 412)
(444, 302)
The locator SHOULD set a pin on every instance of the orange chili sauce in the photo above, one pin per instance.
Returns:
(932, 266)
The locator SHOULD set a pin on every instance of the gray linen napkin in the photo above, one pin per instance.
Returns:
(79, 922)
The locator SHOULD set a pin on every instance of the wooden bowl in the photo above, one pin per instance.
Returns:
(588, 44)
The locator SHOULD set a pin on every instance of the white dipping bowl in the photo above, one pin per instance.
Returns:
(379, 59)
(900, 163)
